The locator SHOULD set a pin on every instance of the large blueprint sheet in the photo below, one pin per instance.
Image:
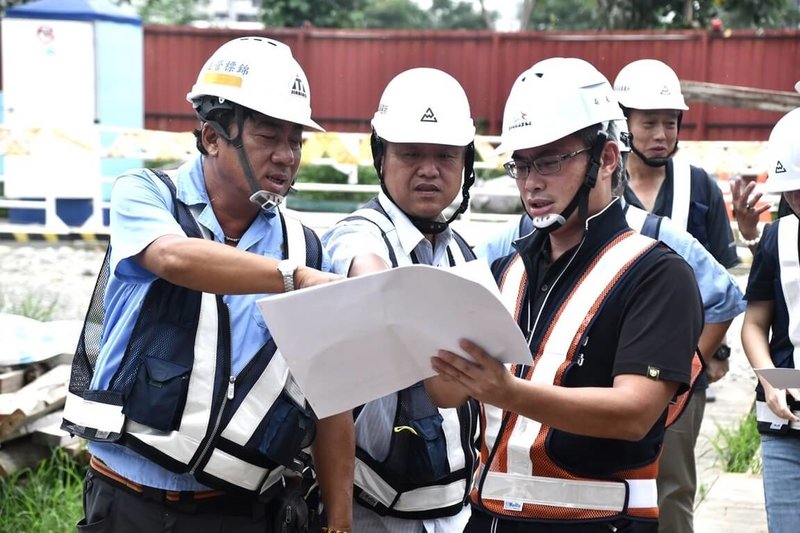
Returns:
(362, 338)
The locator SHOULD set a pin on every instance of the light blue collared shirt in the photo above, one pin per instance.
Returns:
(141, 212)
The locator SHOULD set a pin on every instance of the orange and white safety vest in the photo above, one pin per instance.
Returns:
(517, 477)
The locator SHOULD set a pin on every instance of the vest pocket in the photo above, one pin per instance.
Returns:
(287, 430)
(158, 394)
(427, 450)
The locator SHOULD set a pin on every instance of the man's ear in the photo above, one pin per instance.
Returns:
(610, 158)
(210, 139)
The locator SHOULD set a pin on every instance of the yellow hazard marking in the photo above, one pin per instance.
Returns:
(313, 148)
(338, 150)
(50, 237)
(220, 78)
(22, 237)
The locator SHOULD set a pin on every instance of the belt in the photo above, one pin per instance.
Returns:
(173, 496)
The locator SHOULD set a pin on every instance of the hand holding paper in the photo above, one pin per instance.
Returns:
(780, 378)
(362, 338)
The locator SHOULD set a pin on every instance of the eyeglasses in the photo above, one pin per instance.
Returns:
(545, 165)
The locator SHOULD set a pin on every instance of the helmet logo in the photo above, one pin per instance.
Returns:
(665, 91)
(428, 116)
(520, 121)
(299, 88)
(779, 168)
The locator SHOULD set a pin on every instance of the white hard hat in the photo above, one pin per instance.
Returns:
(424, 105)
(259, 74)
(783, 155)
(649, 84)
(553, 99)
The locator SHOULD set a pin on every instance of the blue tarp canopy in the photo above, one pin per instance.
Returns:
(74, 10)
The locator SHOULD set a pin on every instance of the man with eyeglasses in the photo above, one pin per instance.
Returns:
(571, 442)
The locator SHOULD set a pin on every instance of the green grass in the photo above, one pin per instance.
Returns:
(702, 492)
(38, 306)
(47, 499)
(738, 448)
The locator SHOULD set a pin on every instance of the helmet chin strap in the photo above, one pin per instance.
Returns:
(654, 162)
(264, 199)
(552, 221)
(424, 225)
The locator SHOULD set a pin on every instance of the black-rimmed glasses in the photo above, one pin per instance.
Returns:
(548, 164)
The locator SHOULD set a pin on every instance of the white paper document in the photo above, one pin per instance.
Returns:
(780, 378)
(362, 338)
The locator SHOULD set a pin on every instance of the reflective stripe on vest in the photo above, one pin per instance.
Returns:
(635, 218)
(510, 485)
(790, 275)
(560, 492)
(410, 501)
(182, 445)
(766, 415)
(264, 392)
(681, 191)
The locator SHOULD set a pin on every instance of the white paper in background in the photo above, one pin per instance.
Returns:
(780, 378)
(362, 338)
(25, 340)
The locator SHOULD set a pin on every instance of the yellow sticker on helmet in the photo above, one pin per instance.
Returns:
(220, 78)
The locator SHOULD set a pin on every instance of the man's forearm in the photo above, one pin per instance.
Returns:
(334, 456)
(711, 337)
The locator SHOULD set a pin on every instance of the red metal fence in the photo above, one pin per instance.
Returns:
(347, 69)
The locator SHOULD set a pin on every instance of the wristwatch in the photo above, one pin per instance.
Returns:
(722, 353)
(287, 268)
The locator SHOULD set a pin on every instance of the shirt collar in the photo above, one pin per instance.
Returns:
(408, 234)
(191, 190)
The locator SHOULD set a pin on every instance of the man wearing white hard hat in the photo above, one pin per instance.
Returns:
(650, 95)
(770, 329)
(194, 422)
(571, 442)
(414, 462)
(664, 183)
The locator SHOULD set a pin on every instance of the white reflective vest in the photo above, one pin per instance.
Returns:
(681, 191)
(378, 484)
(789, 264)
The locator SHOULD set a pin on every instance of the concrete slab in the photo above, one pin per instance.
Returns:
(733, 504)
(727, 502)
